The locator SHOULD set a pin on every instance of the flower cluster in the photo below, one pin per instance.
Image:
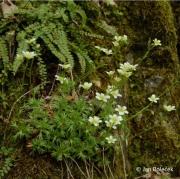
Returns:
(122, 110)
(86, 85)
(95, 120)
(110, 73)
(113, 121)
(120, 39)
(126, 69)
(106, 51)
(61, 79)
(111, 139)
(102, 97)
(114, 92)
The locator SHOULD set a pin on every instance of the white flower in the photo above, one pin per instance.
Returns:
(153, 98)
(102, 97)
(65, 66)
(29, 55)
(110, 73)
(121, 110)
(115, 43)
(156, 42)
(86, 85)
(117, 79)
(113, 121)
(11, 33)
(110, 2)
(127, 74)
(30, 41)
(124, 38)
(38, 45)
(111, 139)
(98, 47)
(106, 51)
(61, 79)
(115, 93)
(95, 120)
(110, 125)
(109, 89)
(121, 38)
(118, 39)
(126, 69)
(169, 108)
(116, 118)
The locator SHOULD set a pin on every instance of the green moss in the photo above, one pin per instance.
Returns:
(146, 20)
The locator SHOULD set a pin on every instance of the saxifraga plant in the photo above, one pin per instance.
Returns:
(74, 124)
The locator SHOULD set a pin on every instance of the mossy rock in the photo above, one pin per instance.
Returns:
(144, 20)
(147, 20)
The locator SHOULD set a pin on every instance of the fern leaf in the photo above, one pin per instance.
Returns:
(17, 63)
(22, 46)
(53, 48)
(4, 54)
(58, 44)
(75, 10)
(62, 44)
(42, 72)
(82, 62)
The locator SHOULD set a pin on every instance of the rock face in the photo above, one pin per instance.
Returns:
(153, 20)
(157, 19)
(176, 11)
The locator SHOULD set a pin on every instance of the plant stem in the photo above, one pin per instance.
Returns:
(123, 157)
(12, 108)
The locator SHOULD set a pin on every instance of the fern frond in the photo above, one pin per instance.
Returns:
(22, 46)
(84, 59)
(54, 50)
(88, 34)
(17, 63)
(82, 62)
(62, 43)
(4, 54)
(34, 28)
(42, 72)
(57, 42)
(61, 14)
(75, 10)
